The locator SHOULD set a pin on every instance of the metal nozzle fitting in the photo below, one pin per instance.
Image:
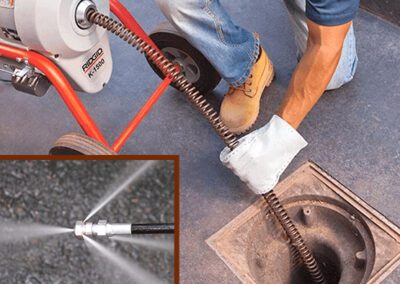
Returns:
(102, 228)
(83, 229)
(81, 14)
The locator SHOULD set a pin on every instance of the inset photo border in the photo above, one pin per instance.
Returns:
(89, 219)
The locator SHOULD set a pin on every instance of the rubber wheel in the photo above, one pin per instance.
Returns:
(195, 66)
(79, 144)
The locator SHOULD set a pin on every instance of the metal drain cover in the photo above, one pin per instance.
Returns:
(352, 242)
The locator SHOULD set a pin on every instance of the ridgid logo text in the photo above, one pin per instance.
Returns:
(92, 60)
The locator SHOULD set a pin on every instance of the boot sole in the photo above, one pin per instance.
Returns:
(268, 81)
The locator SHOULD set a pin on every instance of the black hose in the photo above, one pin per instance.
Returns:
(141, 229)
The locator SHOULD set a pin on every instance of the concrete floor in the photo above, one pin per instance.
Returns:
(353, 132)
(59, 193)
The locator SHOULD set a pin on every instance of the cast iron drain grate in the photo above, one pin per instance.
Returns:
(352, 242)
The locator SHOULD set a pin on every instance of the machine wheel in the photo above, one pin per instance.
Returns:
(79, 144)
(195, 66)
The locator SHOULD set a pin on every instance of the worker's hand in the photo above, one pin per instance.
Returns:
(264, 154)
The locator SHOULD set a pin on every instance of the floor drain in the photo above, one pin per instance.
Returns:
(352, 242)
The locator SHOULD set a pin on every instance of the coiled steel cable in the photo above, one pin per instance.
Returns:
(194, 95)
(295, 237)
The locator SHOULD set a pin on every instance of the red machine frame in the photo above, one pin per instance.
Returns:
(69, 96)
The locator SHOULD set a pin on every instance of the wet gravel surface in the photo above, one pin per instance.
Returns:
(62, 192)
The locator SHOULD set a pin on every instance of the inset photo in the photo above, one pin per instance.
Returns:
(87, 221)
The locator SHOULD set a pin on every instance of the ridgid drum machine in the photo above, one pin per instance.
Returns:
(65, 43)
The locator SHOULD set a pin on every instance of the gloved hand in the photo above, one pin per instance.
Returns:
(264, 154)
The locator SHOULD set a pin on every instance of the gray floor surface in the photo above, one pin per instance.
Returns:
(59, 193)
(353, 132)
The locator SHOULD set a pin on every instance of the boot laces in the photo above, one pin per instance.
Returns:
(245, 87)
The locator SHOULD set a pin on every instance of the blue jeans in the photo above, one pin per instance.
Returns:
(232, 50)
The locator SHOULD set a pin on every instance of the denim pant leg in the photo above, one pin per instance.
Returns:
(348, 62)
(207, 26)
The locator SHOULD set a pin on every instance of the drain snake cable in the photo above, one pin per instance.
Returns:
(198, 100)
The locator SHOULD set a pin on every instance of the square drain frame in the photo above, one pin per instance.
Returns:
(313, 181)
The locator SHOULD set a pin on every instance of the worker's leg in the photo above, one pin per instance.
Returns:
(230, 49)
(348, 60)
(314, 71)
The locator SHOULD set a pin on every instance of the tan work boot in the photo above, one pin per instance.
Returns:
(240, 107)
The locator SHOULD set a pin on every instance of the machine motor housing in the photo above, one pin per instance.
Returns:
(51, 29)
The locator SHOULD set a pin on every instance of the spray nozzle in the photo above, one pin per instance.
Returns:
(102, 228)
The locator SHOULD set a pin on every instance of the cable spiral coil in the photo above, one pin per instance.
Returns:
(296, 239)
(170, 69)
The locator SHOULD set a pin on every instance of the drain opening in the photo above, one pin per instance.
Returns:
(351, 241)
(340, 242)
(329, 263)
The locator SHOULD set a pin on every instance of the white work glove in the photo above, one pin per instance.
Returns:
(263, 155)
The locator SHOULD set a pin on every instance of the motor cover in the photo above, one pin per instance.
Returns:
(50, 28)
